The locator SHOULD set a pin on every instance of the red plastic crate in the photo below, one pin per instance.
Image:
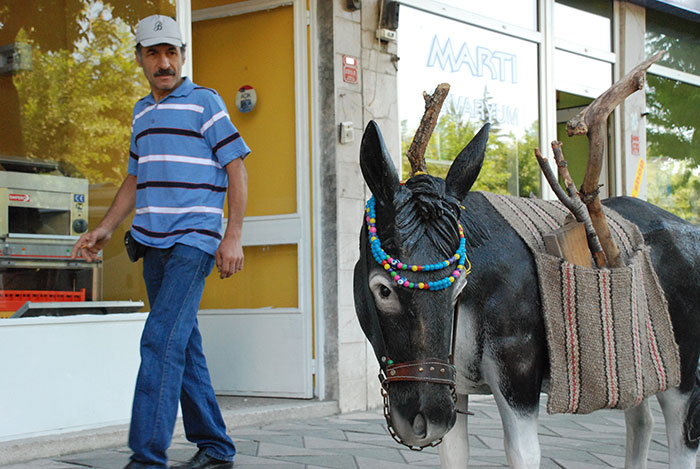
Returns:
(12, 300)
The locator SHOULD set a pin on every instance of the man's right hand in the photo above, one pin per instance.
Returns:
(90, 244)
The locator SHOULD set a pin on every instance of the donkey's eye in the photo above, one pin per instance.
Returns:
(384, 291)
(385, 297)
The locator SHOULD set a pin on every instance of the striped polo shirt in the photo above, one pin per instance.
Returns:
(179, 148)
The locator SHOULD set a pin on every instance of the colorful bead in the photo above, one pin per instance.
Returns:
(389, 263)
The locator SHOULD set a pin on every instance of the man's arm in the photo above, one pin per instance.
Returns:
(124, 202)
(229, 256)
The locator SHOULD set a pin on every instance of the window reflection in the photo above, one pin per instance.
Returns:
(585, 23)
(493, 78)
(66, 99)
(521, 13)
(581, 75)
(673, 146)
(680, 39)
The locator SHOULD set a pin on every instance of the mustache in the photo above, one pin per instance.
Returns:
(161, 73)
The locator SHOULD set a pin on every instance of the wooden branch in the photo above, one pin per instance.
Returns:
(584, 217)
(433, 104)
(593, 121)
(572, 200)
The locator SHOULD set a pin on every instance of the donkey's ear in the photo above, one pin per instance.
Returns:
(377, 168)
(467, 165)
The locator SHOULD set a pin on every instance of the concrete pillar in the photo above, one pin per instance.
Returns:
(633, 123)
(351, 366)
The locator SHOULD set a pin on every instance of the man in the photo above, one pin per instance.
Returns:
(185, 156)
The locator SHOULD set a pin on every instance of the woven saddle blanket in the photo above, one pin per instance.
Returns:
(609, 333)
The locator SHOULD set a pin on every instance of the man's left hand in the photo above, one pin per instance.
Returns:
(229, 257)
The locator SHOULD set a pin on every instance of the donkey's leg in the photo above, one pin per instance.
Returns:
(454, 449)
(519, 417)
(640, 423)
(681, 452)
(520, 435)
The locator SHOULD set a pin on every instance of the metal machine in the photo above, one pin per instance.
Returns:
(42, 214)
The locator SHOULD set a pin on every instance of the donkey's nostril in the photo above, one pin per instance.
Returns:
(419, 426)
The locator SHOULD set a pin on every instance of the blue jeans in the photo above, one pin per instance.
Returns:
(173, 367)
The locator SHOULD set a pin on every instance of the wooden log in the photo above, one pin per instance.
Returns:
(433, 104)
(573, 203)
(580, 212)
(570, 242)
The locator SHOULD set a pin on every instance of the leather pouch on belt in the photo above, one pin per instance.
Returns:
(134, 249)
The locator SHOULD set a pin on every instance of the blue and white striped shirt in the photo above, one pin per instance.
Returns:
(179, 148)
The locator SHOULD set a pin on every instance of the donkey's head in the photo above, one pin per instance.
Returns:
(411, 270)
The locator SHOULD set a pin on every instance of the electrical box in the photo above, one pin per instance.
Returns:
(386, 35)
(15, 57)
(347, 134)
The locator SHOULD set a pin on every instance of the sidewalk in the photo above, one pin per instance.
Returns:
(360, 441)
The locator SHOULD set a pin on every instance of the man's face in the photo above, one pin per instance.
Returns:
(162, 65)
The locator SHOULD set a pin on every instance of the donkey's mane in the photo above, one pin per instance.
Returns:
(425, 212)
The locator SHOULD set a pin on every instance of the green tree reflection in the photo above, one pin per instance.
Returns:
(673, 146)
(673, 140)
(509, 166)
(75, 104)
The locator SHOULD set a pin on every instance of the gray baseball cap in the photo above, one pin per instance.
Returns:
(158, 29)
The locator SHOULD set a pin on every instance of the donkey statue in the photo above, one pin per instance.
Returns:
(476, 327)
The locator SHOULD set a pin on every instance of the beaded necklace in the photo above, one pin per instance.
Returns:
(392, 265)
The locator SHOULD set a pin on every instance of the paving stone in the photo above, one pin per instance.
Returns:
(282, 439)
(322, 443)
(488, 454)
(275, 465)
(243, 460)
(416, 457)
(378, 454)
(98, 459)
(495, 460)
(547, 463)
(272, 450)
(333, 461)
(325, 433)
(573, 455)
(611, 460)
(42, 464)
(369, 463)
(565, 463)
(492, 442)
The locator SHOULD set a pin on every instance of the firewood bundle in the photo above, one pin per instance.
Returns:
(592, 122)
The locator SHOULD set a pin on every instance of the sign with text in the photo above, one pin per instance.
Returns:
(350, 69)
(492, 77)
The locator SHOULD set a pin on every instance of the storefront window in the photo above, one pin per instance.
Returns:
(493, 79)
(584, 23)
(68, 83)
(680, 40)
(521, 13)
(673, 123)
(673, 146)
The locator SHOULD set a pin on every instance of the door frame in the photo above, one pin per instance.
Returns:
(294, 228)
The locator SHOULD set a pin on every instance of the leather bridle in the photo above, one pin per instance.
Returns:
(430, 370)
